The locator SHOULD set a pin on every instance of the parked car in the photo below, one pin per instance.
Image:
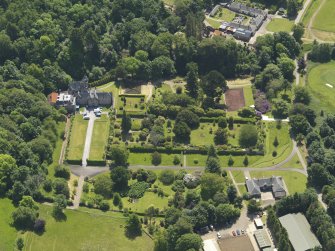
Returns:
(99, 109)
(211, 227)
(238, 232)
(86, 117)
(234, 234)
(242, 231)
(218, 235)
(98, 114)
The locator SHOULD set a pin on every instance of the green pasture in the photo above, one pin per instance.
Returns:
(295, 182)
(280, 24)
(324, 19)
(85, 229)
(225, 14)
(8, 234)
(248, 97)
(77, 138)
(99, 138)
(283, 149)
(57, 151)
(145, 159)
(322, 95)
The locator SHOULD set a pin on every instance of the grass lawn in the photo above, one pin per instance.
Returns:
(8, 234)
(147, 200)
(294, 163)
(283, 149)
(295, 182)
(214, 23)
(280, 24)
(310, 11)
(85, 231)
(248, 97)
(57, 150)
(77, 138)
(242, 189)
(204, 135)
(200, 160)
(238, 176)
(225, 14)
(145, 159)
(132, 104)
(322, 95)
(99, 138)
(324, 20)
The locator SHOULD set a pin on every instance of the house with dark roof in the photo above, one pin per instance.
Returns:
(273, 184)
(86, 96)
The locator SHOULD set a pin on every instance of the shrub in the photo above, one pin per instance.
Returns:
(166, 177)
(176, 160)
(62, 171)
(138, 189)
(47, 185)
(179, 90)
(156, 158)
(116, 199)
(230, 161)
(104, 205)
(86, 188)
(39, 226)
(274, 153)
(222, 122)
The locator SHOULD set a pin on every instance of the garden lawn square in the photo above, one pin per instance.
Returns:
(234, 99)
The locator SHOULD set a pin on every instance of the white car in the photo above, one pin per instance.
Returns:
(86, 117)
(218, 235)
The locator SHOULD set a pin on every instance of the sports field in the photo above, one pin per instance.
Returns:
(321, 84)
(77, 138)
(99, 138)
(280, 24)
(324, 20)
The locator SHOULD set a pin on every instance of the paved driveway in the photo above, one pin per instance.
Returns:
(88, 139)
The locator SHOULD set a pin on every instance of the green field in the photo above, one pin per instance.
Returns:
(295, 182)
(238, 176)
(57, 151)
(202, 135)
(283, 149)
(89, 230)
(145, 159)
(77, 138)
(310, 11)
(242, 189)
(280, 24)
(324, 20)
(191, 160)
(322, 95)
(248, 97)
(225, 14)
(8, 234)
(99, 138)
(147, 200)
(214, 23)
(294, 163)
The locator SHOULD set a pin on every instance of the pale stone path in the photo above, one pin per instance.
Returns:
(79, 191)
(88, 139)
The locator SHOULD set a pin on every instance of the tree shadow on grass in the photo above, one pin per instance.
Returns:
(60, 217)
(132, 235)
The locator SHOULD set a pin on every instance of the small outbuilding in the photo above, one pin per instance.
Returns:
(258, 223)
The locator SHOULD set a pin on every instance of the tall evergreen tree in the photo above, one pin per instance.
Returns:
(126, 123)
(192, 79)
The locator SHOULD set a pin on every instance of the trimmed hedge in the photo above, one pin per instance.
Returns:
(199, 150)
(105, 80)
(237, 120)
(133, 114)
(96, 162)
(132, 95)
(74, 161)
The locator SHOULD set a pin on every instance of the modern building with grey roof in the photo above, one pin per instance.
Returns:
(274, 184)
(262, 239)
(299, 232)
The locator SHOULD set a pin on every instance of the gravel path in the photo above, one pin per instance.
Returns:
(88, 139)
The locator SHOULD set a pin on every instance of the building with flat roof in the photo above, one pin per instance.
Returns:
(262, 239)
(299, 232)
(258, 223)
